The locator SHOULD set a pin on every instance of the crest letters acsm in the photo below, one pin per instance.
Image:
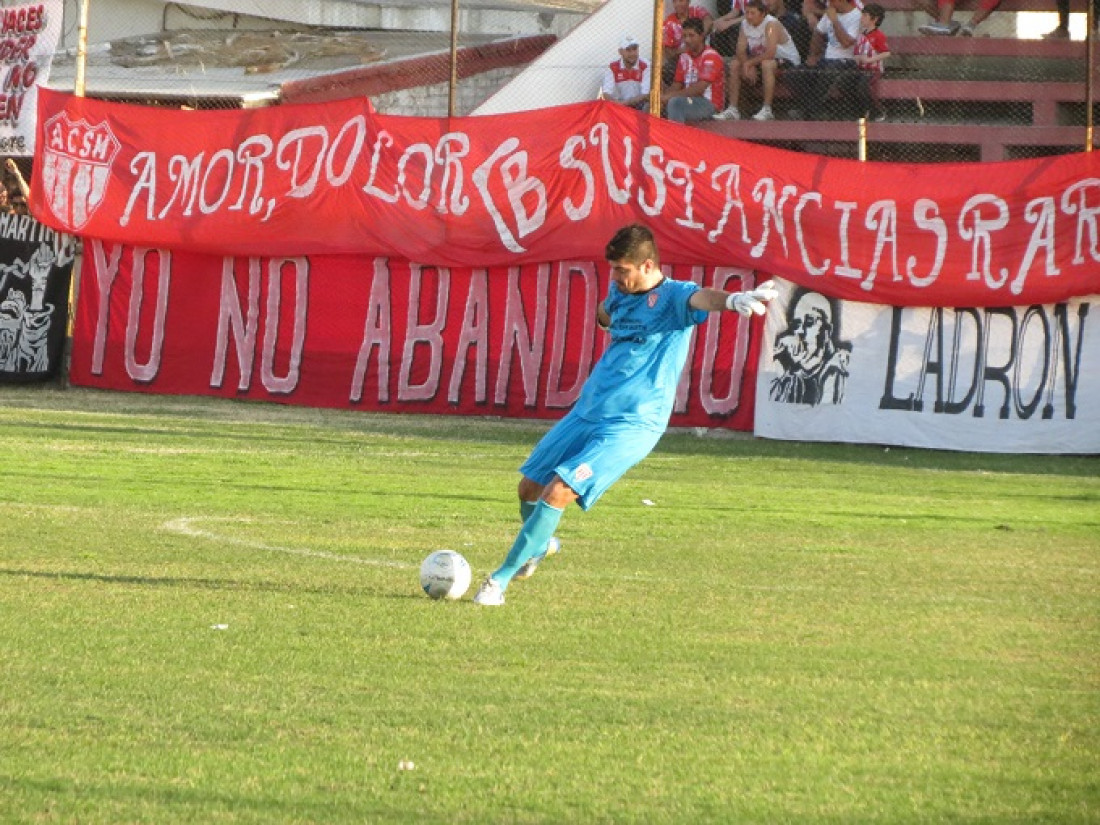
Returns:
(77, 167)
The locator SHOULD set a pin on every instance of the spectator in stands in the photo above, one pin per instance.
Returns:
(627, 79)
(1061, 31)
(763, 47)
(944, 25)
(794, 23)
(871, 53)
(814, 10)
(15, 189)
(698, 89)
(723, 34)
(831, 61)
(672, 42)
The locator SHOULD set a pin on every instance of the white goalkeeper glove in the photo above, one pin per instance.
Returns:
(753, 301)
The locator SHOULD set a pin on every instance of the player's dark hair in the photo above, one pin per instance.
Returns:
(693, 23)
(759, 5)
(875, 12)
(633, 244)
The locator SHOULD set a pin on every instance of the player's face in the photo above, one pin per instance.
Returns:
(754, 15)
(632, 278)
(629, 56)
(681, 7)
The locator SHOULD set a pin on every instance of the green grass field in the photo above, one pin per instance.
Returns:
(209, 613)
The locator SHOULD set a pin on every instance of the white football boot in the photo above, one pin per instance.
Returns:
(489, 594)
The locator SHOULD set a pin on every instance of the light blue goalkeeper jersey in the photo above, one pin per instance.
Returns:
(636, 378)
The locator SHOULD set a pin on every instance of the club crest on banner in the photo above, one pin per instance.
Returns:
(77, 159)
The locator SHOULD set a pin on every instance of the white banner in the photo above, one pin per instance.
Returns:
(28, 39)
(1011, 380)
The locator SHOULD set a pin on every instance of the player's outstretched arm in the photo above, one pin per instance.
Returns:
(750, 302)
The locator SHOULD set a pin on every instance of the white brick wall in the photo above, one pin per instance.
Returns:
(431, 101)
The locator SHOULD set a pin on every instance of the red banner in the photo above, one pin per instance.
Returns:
(553, 184)
(378, 334)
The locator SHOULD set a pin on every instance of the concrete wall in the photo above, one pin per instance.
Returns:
(432, 101)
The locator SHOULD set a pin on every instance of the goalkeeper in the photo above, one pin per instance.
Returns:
(626, 402)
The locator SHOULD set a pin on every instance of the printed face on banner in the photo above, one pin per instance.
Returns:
(813, 361)
(77, 167)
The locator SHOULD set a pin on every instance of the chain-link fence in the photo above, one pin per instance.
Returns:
(224, 54)
(945, 91)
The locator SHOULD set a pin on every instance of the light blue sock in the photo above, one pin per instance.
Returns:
(526, 508)
(532, 538)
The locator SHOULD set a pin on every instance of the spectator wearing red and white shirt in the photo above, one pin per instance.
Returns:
(872, 49)
(627, 79)
(672, 42)
(698, 89)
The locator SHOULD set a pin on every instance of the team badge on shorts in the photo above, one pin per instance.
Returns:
(583, 473)
(77, 167)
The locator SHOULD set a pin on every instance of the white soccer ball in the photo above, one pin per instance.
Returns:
(445, 574)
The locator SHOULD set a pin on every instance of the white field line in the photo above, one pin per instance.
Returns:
(186, 527)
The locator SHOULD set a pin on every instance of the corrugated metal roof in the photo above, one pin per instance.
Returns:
(249, 66)
(238, 67)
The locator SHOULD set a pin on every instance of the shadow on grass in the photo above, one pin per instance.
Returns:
(95, 799)
(209, 584)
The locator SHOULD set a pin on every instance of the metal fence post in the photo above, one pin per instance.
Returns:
(453, 91)
(1090, 70)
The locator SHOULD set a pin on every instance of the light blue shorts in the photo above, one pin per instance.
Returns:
(589, 456)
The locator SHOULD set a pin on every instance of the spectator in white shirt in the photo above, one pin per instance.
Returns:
(831, 61)
(627, 80)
